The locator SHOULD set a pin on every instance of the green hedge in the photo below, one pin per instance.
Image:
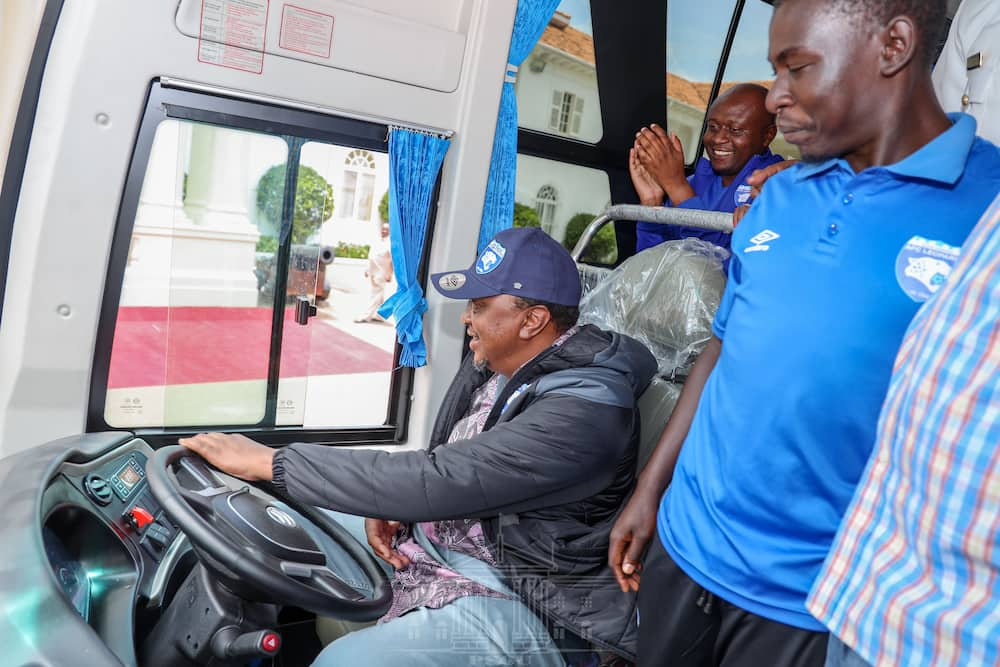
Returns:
(603, 248)
(353, 250)
(313, 200)
(525, 216)
(383, 207)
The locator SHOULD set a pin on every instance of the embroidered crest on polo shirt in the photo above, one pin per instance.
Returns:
(451, 281)
(742, 194)
(490, 258)
(760, 241)
(923, 266)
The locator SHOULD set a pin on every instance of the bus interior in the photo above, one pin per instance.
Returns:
(190, 194)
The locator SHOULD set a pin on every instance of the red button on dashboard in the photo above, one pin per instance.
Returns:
(140, 517)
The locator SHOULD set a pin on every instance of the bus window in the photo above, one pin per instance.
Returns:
(196, 339)
(748, 59)
(190, 344)
(696, 32)
(347, 376)
(562, 199)
(557, 83)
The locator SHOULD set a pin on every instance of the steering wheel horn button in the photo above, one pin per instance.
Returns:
(269, 528)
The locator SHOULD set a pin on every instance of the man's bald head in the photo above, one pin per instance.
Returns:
(752, 93)
(738, 126)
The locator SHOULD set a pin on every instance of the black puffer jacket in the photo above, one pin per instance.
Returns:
(547, 476)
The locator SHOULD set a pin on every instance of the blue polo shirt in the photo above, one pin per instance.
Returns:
(828, 269)
(710, 195)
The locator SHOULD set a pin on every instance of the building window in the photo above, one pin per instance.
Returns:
(359, 186)
(545, 206)
(566, 112)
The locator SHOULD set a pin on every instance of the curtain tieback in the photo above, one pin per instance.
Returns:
(404, 305)
(511, 75)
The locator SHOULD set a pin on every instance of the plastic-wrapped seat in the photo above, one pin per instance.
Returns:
(665, 297)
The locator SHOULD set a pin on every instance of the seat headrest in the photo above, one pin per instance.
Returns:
(665, 297)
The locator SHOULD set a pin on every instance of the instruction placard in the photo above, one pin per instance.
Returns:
(232, 34)
(306, 31)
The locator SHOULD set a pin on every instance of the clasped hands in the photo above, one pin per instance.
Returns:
(656, 165)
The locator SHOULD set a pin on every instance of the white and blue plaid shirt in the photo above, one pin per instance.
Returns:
(914, 574)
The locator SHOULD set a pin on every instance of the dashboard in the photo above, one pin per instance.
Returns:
(87, 555)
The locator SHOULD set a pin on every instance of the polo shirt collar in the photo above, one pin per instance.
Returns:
(810, 169)
(942, 159)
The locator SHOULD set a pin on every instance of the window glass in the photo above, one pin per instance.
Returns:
(348, 364)
(348, 192)
(366, 191)
(192, 337)
(194, 334)
(557, 83)
(563, 199)
(696, 32)
(748, 59)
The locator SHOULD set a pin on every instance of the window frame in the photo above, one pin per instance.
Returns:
(631, 92)
(361, 166)
(164, 103)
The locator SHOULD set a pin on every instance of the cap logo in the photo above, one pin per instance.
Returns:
(491, 258)
(451, 281)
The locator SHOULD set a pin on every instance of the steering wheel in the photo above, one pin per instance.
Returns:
(254, 544)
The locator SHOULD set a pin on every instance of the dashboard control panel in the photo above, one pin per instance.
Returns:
(127, 477)
(118, 490)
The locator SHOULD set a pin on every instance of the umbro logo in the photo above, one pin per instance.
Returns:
(761, 240)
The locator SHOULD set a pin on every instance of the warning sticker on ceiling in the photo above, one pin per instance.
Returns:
(232, 34)
(306, 31)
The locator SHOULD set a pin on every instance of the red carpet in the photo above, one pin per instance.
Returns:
(167, 346)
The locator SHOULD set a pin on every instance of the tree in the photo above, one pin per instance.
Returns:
(603, 247)
(383, 207)
(525, 216)
(313, 200)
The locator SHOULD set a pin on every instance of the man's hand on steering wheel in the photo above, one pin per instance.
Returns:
(260, 546)
(235, 454)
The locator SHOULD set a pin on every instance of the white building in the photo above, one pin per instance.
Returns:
(198, 209)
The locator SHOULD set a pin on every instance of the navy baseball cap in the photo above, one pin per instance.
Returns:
(524, 262)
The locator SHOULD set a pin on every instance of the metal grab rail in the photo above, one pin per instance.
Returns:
(711, 220)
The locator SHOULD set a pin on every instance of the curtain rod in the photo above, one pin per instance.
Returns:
(181, 84)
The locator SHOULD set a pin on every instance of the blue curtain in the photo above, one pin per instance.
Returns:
(414, 162)
(498, 208)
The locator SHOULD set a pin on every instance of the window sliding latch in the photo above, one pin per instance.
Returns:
(303, 310)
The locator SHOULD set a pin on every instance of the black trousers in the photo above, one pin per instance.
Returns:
(683, 625)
